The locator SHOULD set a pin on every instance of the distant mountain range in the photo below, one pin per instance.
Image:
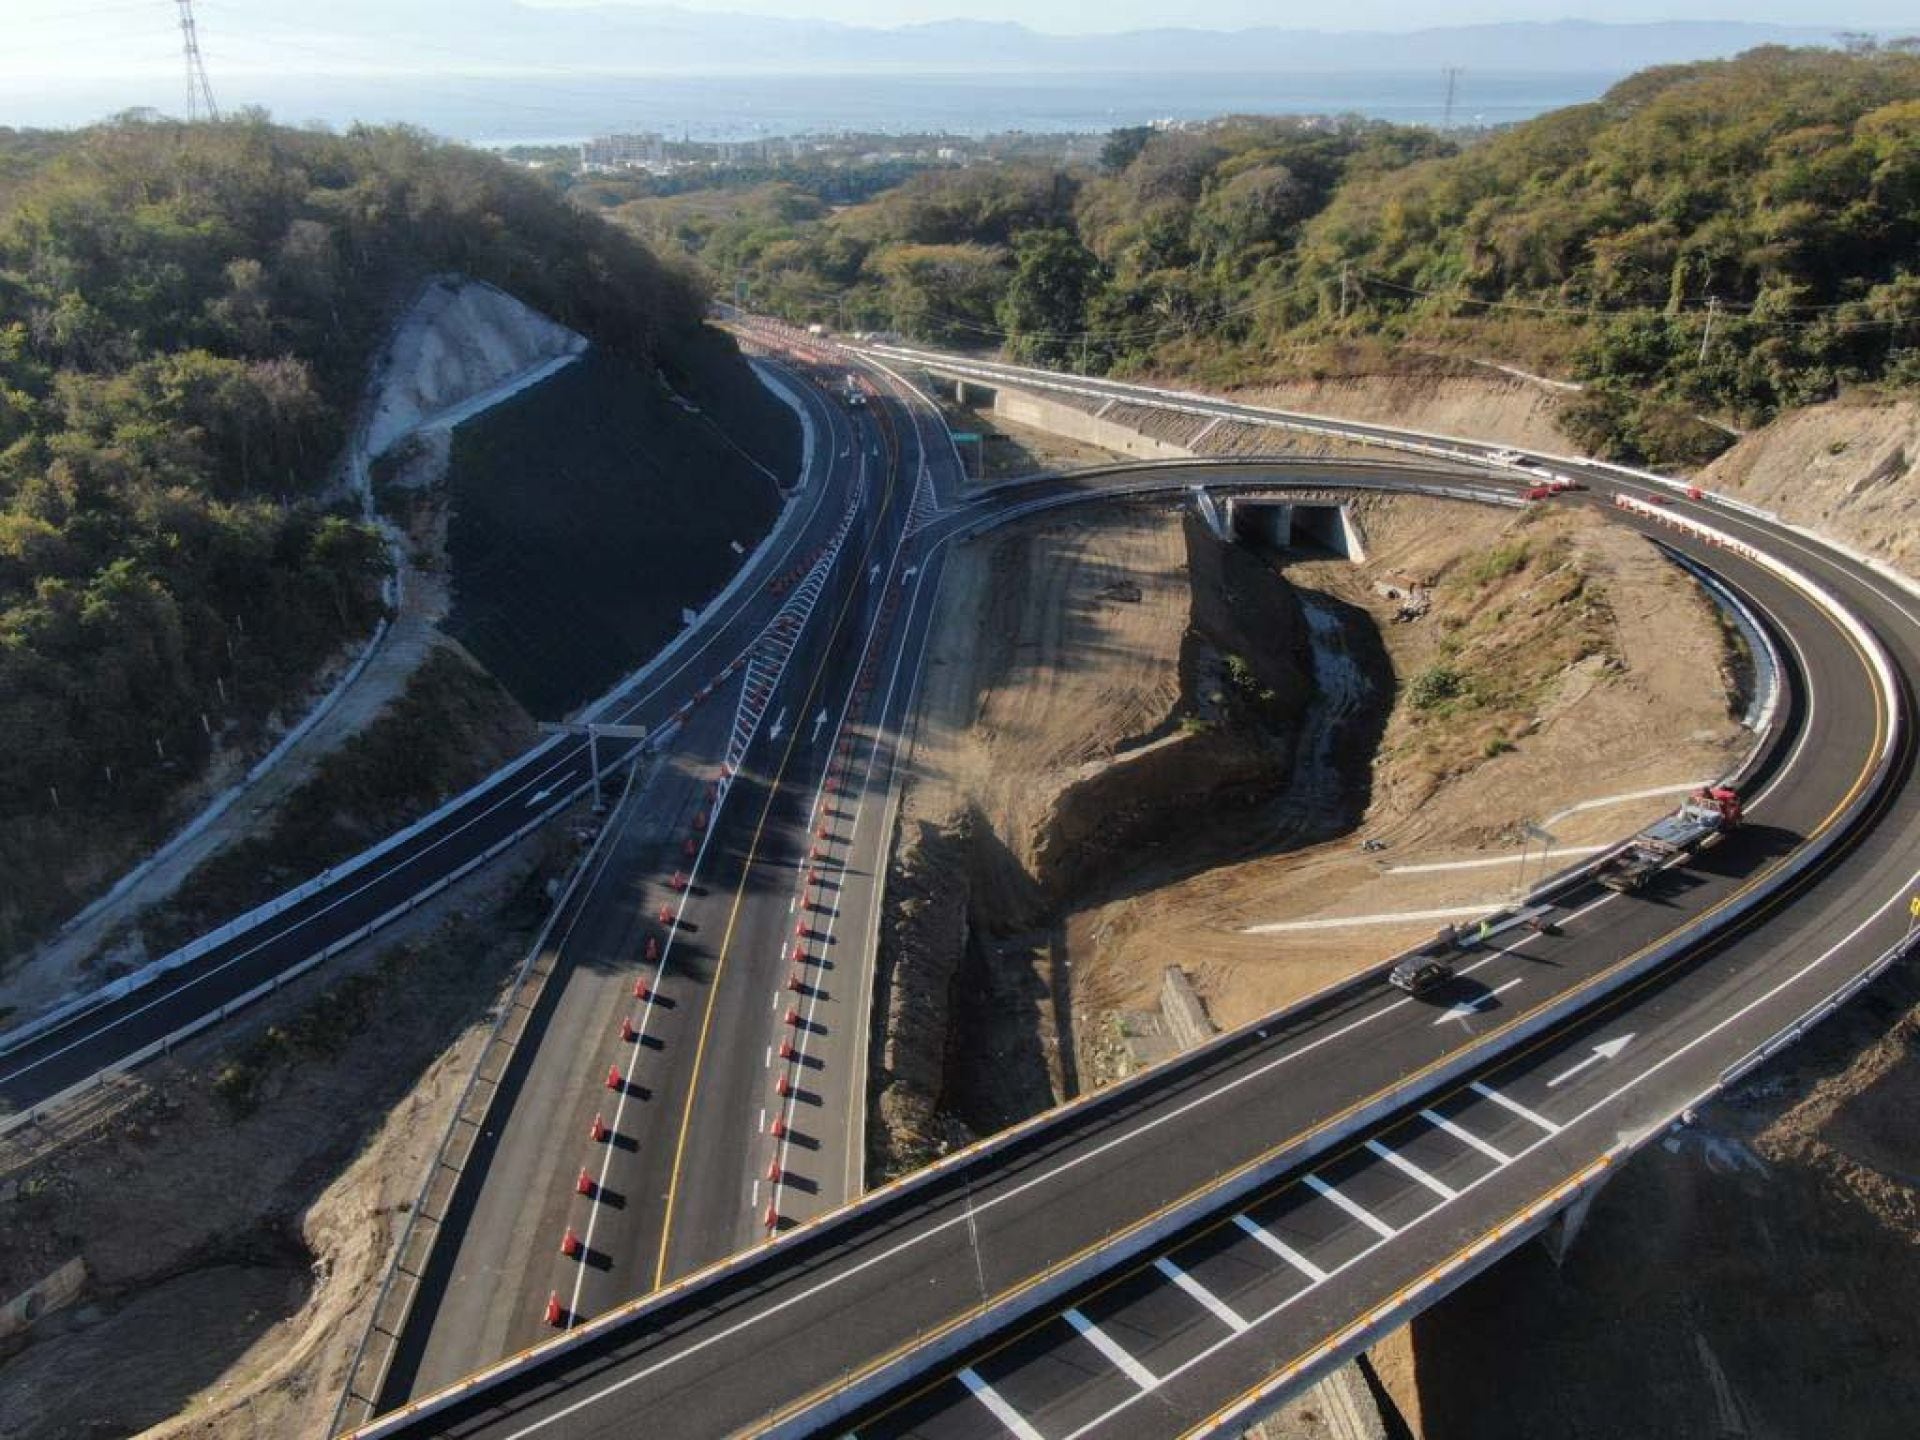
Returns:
(630, 38)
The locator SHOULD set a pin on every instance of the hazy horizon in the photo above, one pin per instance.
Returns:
(488, 69)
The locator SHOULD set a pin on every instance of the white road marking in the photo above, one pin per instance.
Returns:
(1432, 867)
(1488, 1093)
(1111, 1348)
(1219, 1308)
(1465, 1137)
(1149, 1126)
(1477, 1004)
(1397, 917)
(1371, 1221)
(1604, 1051)
(1651, 793)
(1002, 1411)
(1280, 1247)
(1408, 1168)
(646, 1372)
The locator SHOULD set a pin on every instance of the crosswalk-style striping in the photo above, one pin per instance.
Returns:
(1066, 1378)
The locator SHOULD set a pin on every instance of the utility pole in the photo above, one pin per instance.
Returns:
(1453, 80)
(199, 88)
(1344, 268)
(1706, 336)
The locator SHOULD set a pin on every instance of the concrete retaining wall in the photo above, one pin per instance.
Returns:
(1056, 418)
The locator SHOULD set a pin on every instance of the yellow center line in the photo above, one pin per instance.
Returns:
(753, 849)
(1613, 1003)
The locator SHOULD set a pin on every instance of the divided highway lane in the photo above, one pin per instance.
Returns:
(678, 1122)
(794, 1325)
(794, 945)
(67, 1054)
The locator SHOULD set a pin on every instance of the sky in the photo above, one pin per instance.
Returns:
(68, 42)
(1080, 17)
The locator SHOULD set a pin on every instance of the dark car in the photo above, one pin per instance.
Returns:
(1418, 974)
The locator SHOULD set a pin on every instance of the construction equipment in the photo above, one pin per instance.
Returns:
(1697, 825)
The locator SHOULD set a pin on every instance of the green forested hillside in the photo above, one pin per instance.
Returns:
(186, 316)
(1724, 238)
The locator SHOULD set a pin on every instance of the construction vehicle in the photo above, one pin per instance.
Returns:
(1697, 825)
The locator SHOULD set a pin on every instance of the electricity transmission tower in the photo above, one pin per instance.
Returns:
(199, 88)
(1453, 81)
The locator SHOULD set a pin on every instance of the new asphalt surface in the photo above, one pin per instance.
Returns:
(1165, 1252)
(105, 1035)
(733, 1008)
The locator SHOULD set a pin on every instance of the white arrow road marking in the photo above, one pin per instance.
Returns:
(538, 796)
(1478, 1003)
(907, 574)
(873, 572)
(1605, 1050)
(818, 721)
(779, 725)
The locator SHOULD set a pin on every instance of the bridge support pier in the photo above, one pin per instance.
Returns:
(1565, 1227)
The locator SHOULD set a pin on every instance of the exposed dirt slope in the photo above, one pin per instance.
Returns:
(1583, 666)
(1758, 1276)
(1487, 406)
(1850, 469)
(1049, 763)
(235, 1210)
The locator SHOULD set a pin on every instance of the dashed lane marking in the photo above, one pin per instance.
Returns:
(1465, 1137)
(1280, 1247)
(1365, 1217)
(1412, 1171)
(1015, 1422)
(1111, 1348)
(1194, 1290)
(1507, 1102)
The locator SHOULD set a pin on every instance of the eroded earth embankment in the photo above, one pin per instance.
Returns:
(1138, 744)
(1098, 690)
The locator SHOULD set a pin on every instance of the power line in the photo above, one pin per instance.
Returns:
(1714, 307)
(199, 88)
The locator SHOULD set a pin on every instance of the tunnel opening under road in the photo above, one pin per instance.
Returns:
(1314, 528)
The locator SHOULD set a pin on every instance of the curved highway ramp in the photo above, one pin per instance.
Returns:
(1172, 1254)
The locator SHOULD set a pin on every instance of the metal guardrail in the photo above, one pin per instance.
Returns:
(931, 1349)
(165, 1043)
(443, 1175)
(251, 919)
(106, 994)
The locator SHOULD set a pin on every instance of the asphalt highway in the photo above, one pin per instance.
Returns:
(1157, 1256)
(733, 1007)
(104, 1036)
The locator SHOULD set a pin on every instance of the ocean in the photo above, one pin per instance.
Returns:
(539, 108)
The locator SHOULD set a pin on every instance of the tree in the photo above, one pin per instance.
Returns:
(1123, 147)
(1044, 313)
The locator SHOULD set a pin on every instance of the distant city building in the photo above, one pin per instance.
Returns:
(623, 152)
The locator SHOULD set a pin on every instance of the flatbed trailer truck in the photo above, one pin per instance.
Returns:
(1697, 825)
